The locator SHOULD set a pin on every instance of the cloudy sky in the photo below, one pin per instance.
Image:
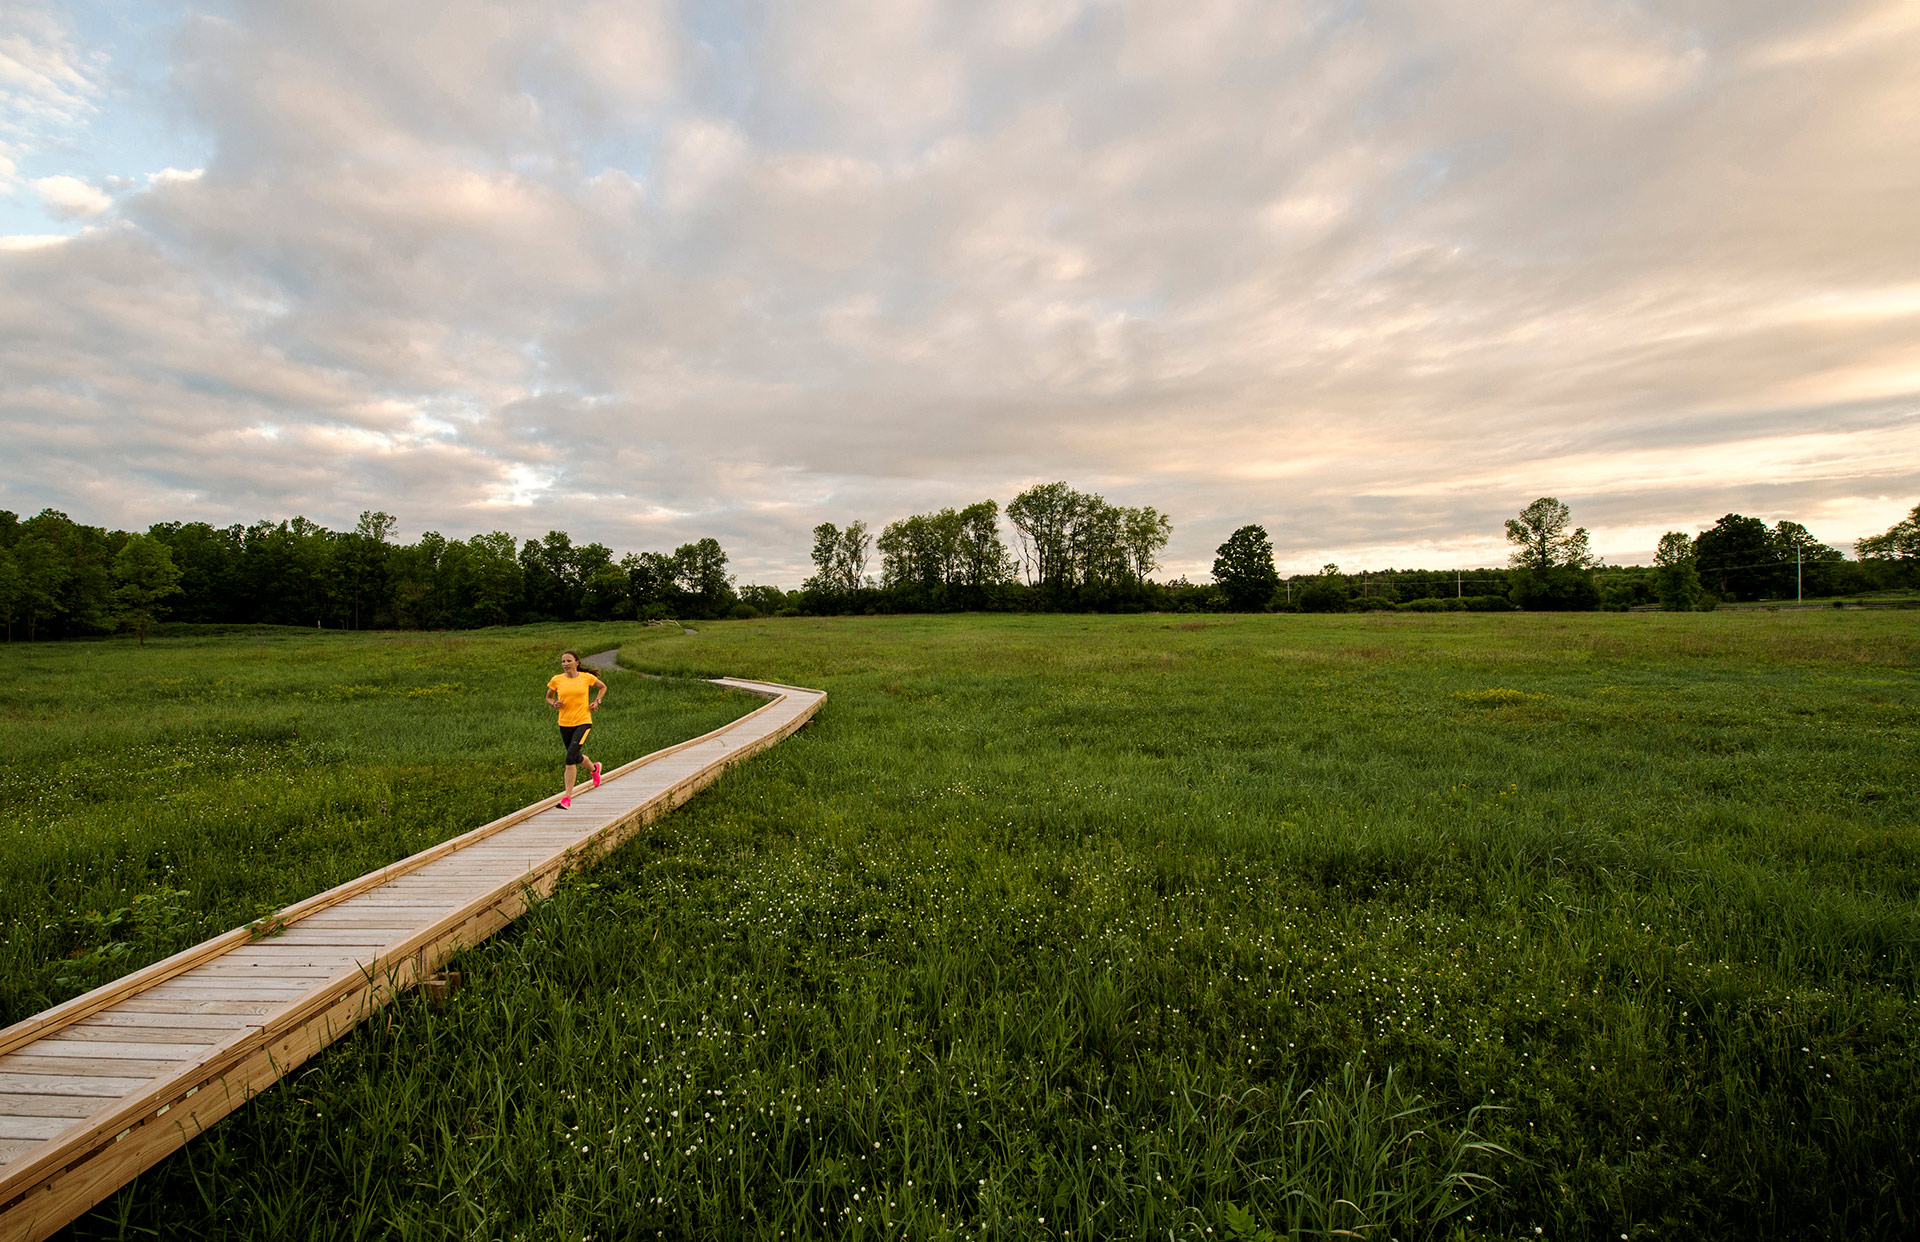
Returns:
(1372, 273)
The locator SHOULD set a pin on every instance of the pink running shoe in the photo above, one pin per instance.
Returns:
(596, 776)
(565, 802)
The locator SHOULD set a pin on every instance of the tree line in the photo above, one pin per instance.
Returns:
(1070, 551)
(60, 578)
(1553, 568)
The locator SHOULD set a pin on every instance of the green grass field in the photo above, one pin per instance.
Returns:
(151, 797)
(1408, 926)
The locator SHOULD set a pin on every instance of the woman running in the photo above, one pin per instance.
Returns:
(567, 690)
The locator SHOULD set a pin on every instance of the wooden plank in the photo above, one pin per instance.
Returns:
(173, 1006)
(479, 870)
(104, 1069)
(433, 892)
(387, 918)
(359, 912)
(495, 872)
(512, 844)
(11, 1148)
(122, 1017)
(296, 961)
(302, 968)
(397, 910)
(257, 1002)
(187, 987)
(70, 1106)
(88, 1032)
(57, 1045)
(123, 1152)
(309, 937)
(34, 1127)
(242, 974)
(68, 1084)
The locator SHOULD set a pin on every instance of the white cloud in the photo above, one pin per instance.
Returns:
(45, 80)
(69, 198)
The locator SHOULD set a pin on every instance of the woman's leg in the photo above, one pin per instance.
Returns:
(572, 739)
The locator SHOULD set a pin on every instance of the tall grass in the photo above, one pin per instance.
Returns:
(1410, 926)
(152, 797)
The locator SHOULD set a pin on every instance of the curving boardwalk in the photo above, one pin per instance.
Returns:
(97, 1090)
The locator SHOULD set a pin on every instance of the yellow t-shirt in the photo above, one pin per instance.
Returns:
(573, 696)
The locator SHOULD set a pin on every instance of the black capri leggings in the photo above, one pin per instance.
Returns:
(574, 736)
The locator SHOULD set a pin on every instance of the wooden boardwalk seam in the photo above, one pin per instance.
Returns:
(95, 1091)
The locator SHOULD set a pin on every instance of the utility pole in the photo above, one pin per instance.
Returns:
(1456, 584)
(1799, 596)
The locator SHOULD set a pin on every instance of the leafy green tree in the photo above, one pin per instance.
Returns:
(700, 570)
(1551, 564)
(1042, 518)
(1243, 567)
(1096, 538)
(42, 581)
(1147, 532)
(209, 560)
(1077, 547)
(495, 587)
(1676, 581)
(1901, 541)
(288, 574)
(840, 556)
(1542, 540)
(922, 550)
(607, 596)
(362, 555)
(650, 583)
(146, 575)
(10, 589)
(551, 575)
(1737, 558)
(1329, 591)
(419, 579)
(983, 557)
(1807, 566)
(764, 600)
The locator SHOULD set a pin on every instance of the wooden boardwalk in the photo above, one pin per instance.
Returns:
(97, 1090)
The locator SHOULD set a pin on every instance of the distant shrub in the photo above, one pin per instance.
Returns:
(1323, 594)
(743, 612)
(1559, 589)
(1437, 604)
(1489, 603)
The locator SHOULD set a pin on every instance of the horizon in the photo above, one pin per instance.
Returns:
(1161, 574)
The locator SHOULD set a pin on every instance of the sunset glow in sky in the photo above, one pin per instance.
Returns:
(1372, 274)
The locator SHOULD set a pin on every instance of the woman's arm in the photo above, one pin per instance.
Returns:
(599, 692)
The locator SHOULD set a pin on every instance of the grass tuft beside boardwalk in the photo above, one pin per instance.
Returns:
(1409, 926)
